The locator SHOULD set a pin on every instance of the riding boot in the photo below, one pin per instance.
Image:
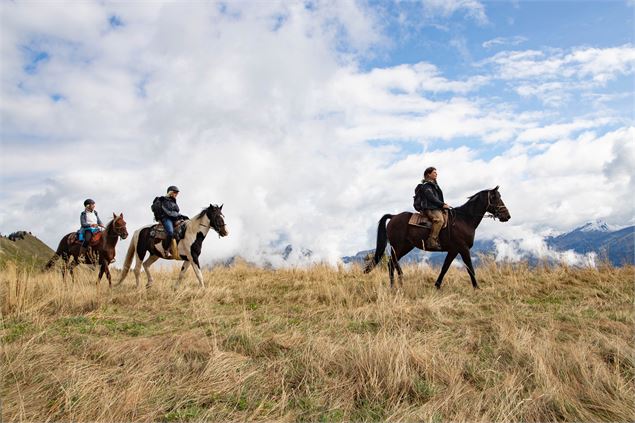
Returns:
(166, 247)
(432, 244)
(175, 250)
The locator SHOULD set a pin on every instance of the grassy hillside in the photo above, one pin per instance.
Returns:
(321, 344)
(28, 251)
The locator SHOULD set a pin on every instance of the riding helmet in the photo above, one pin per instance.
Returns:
(173, 188)
(88, 201)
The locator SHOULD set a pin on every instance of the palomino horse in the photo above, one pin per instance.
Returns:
(189, 246)
(103, 253)
(456, 238)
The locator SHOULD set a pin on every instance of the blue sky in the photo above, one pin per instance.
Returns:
(324, 112)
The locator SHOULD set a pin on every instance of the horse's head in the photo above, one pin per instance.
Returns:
(496, 206)
(216, 219)
(119, 226)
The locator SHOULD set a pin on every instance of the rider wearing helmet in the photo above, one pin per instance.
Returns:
(168, 214)
(90, 223)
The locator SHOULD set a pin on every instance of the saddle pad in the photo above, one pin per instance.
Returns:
(73, 238)
(158, 231)
(417, 219)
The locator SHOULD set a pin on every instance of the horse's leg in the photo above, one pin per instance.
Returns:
(71, 266)
(399, 273)
(391, 272)
(64, 268)
(186, 265)
(467, 259)
(108, 275)
(101, 272)
(198, 273)
(446, 265)
(146, 266)
(394, 258)
(137, 268)
(192, 257)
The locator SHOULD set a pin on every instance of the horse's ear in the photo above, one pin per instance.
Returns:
(121, 215)
(114, 215)
(496, 189)
(221, 206)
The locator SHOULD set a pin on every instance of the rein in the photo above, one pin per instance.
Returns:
(491, 215)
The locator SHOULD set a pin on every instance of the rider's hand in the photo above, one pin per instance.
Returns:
(93, 225)
(445, 206)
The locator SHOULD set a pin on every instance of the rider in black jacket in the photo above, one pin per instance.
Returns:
(168, 214)
(430, 202)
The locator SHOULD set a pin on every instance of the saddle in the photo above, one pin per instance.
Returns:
(158, 231)
(74, 238)
(421, 220)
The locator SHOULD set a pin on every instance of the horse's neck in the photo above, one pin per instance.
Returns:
(201, 224)
(473, 212)
(111, 235)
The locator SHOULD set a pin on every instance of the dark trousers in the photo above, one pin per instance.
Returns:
(88, 234)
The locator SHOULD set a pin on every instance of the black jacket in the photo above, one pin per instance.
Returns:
(169, 208)
(428, 196)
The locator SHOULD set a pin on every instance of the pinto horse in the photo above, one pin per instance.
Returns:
(456, 238)
(189, 246)
(103, 253)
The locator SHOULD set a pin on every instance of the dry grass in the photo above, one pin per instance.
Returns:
(322, 344)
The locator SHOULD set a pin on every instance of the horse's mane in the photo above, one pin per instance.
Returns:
(470, 202)
(202, 213)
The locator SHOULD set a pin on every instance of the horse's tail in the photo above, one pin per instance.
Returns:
(382, 241)
(129, 255)
(58, 253)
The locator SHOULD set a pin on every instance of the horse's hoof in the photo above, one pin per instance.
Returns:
(437, 285)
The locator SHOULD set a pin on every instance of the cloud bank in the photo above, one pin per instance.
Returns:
(268, 110)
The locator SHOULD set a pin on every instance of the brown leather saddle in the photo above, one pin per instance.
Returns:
(158, 231)
(421, 220)
(73, 238)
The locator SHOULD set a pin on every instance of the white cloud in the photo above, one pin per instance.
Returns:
(265, 109)
(598, 64)
(559, 130)
(534, 247)
(446, 8)
(504, 41)
(556, 76)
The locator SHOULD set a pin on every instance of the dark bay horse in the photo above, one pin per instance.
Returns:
(103, 253)
(456, 238)
(189, 246)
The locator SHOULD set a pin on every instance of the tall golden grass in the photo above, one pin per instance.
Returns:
(321, 344)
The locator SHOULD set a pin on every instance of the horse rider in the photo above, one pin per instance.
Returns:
(429, 201)
(168, 214)
(90, 224)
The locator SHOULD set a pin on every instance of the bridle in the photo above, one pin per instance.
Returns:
(217, 228)
(119, 230)
(497, 210)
